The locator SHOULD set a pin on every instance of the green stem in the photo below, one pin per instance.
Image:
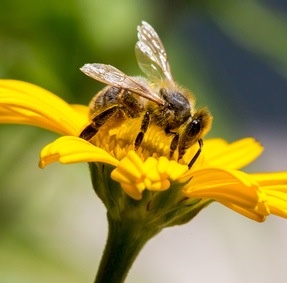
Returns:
(125, 241)
(132, 223)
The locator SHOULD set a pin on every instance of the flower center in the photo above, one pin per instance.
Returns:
(119, 138)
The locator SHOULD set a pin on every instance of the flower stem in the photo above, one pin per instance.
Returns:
(125, 240)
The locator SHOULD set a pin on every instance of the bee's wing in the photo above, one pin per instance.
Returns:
(151, 54)
(114, 77)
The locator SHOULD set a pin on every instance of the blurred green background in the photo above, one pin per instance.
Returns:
(231, 54)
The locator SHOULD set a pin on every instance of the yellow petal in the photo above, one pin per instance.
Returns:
(277, 203)
(151, 170)
(132, 191)
(16, 115)
(212, 145)
(271, 179)
(163, 164)
(255, 214)
(153, 174)
(81, 109)
(233, 156)
(161, 185)
(70, 149)
(25, 103)
(131, 166)
(130, 174)
(274, 185)
(227, 187)
(175, 170)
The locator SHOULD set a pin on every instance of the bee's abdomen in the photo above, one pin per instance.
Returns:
(106, 97)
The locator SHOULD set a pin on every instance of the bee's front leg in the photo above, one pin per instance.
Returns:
(174, 141)
(144, 127)
(200, 142)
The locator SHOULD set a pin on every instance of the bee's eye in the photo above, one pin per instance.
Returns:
(195, 126)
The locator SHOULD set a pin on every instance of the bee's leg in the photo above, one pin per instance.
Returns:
(174, 141)
(97, 122)
(173, 144)
(144, 127)
(193, 132)
(200, 142)
(189, 137)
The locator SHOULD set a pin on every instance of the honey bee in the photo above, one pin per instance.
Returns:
(157, 100)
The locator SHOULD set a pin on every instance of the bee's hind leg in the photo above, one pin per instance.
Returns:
(97, 122)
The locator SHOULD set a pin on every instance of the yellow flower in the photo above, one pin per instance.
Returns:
(147, 173)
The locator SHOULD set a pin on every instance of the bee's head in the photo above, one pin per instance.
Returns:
(177, 104)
